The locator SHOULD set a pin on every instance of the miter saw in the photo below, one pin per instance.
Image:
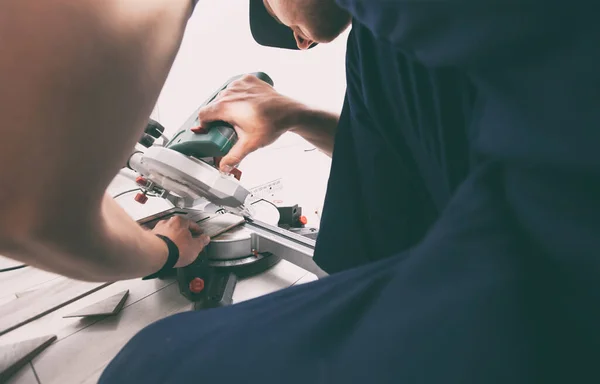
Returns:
(184, 170)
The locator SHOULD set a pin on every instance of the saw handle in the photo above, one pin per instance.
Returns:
(260, 75)
(214, 140)
(223, 124)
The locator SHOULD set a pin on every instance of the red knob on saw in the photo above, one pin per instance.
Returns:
(199, 130)
(140, 180)
(196, 285)
(141, 198)
(236, 173)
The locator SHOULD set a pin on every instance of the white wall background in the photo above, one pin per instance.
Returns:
(218, 45)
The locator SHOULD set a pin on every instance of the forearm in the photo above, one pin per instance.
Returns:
(318, 128)
(79, 80)
(106, 245)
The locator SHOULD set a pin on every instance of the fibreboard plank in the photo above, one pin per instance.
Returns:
(54, 323)
(219, 224)
(25, 375)
(107, 337)
(26, 309)
(15, 356)
(107, 307)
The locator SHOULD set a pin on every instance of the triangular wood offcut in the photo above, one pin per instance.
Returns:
(14, 356)
(107, 307)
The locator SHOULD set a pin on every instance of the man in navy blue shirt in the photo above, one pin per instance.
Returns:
(466, 154)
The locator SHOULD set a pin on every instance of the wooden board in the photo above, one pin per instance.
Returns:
(23, 279)
(220, 224)
(86, 353)
(15, 356)
(26, 375)
(308, 278)
(64, 327)
(5, 262)
(106, 307)
(39, 287)
(108, 336)
(26, 309)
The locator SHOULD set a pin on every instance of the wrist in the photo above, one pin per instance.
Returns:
(159, 253)
(305, 120)
(301, 119)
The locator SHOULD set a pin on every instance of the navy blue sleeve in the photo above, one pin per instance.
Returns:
(535, 67)
(537, 123)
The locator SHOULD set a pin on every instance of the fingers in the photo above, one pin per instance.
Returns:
(186, 234)
(212, 112)
(196, 231)
(194, 228)
(202, 241)
(240, 150)
(217, 110)
(180, 223)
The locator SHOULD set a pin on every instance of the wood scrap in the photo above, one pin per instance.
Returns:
(25, 375)
(107, 337)
(219, 224)
(107, 307)
(55, 322)
(26, 309)
(38, 288)
(110, 334)
(15, 356)
(13, 282)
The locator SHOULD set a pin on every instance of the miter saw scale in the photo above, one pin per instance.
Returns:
(184, 170)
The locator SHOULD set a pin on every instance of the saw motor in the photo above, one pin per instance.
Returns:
(185, 169)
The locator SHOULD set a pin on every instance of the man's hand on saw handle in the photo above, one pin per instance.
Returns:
(261, 115)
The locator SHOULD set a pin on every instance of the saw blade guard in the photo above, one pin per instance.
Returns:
(191, 178)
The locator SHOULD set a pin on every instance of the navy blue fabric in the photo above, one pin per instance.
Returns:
(461, 221)
(400, 152)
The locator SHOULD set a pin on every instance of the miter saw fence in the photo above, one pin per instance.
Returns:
(185, 169)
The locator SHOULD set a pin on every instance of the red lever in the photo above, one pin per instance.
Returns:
(196, 285)
(303, 220)
(141, 198)
(236, 173)
(140, 180)
(199, 130)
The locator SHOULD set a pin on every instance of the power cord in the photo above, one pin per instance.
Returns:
(12, 268)
(266, 201)
(151, 194)
(126, 192)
